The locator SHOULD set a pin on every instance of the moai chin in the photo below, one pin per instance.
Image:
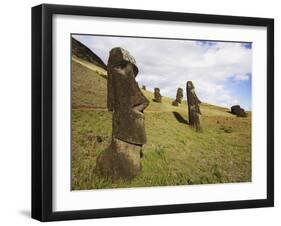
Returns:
(157, 95)
(194, 113)
(121, 160)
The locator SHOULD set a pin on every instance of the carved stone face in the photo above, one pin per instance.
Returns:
(125, 98)
(191, 95)
(190, 85)
(157, 95)
(179, 95)
(156, 90)
(193, 107)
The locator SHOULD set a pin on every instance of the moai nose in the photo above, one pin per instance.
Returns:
(130, 69)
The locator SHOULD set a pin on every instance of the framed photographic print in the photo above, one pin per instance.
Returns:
(145, 112)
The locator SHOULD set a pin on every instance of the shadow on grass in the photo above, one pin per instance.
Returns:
(180, 118)
(243, 116)
(156, 101)
(104, 76)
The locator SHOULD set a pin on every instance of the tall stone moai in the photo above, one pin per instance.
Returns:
(122, 159)
(157, 95)
(143, 87)
(194, 113)
(179, 97)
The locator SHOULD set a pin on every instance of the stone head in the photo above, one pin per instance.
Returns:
(190, 85)
(156, 90)
(125, 97)
(179, 93)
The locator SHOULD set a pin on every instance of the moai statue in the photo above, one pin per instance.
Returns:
(179, 97)
(121, 160)
(194, 113)
(157, 95)
(144, 87)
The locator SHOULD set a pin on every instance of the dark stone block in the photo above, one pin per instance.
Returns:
(237, 110)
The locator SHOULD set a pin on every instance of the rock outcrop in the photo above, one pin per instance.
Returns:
(237, 110)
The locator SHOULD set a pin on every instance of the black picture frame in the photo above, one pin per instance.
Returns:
(42, 83)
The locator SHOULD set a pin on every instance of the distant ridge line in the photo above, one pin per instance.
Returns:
(80, 50)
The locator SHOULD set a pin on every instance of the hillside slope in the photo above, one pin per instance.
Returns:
(89, 85)
(174, 154)
(83, 52)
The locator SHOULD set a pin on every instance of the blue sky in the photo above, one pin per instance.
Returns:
(220, 71)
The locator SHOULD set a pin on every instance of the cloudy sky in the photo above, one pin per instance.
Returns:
(220, 71)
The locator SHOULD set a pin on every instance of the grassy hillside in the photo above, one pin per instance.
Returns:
(83, 52)
(174, 154)
(89, 85)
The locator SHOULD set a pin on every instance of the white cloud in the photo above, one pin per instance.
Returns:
(169, 64)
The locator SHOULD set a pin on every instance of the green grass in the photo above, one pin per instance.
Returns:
(174, 154)
(89, 86)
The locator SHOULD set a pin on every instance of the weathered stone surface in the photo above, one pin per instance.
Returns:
(118, 60)
(237, 110)
(157, 95)
(194, 113)
(120, 161)
(175, 103)
(179, 95)
(127, 102)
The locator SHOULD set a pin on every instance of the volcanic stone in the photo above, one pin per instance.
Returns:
(121, 160)
(194, 113)
(157, 95)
